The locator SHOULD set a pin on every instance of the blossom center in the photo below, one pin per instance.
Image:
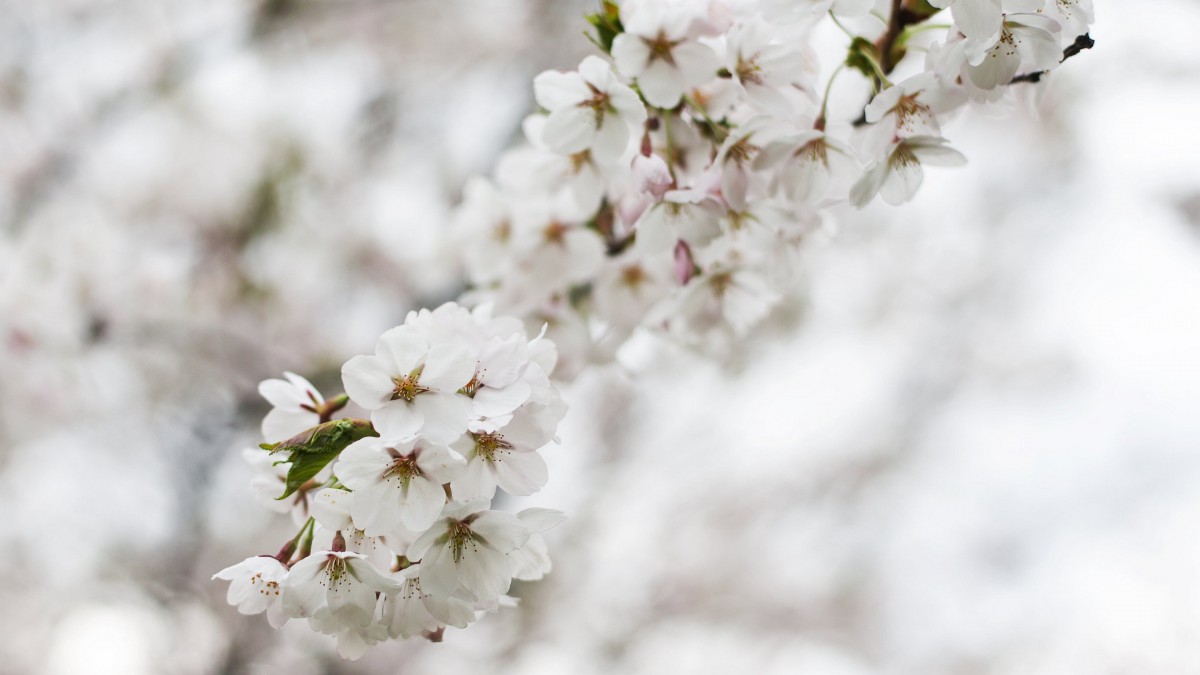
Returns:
(633, 276)
(721, 282)
(404, 468)
(555, 233)
(748, 70)
(335, 572)
(408, 387)
(815, 151)
(486, 445)
(598, 103)
(902, 158)
(660, 48)
(460, 538)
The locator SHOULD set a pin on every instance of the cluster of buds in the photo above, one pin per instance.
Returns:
(669, 182)
(397, 534)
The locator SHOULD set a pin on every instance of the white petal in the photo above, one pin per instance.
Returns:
(939, 155)
(630, 53)
(331, 508)
(450, 611)
(554, 90)
(569, 130)
(595, 71)
(901, 183)
(500, 530)
(697, 63)
(867, 186)
(532, 561)
(611, 140)
(401, 349)
(539, 520)
(444, 416)
(998, 67)
(439, 463)
(352, 601)
(371, 577)
(661, 84)
(484, 572)
(520, 473)
(476, 481)
(977, 18)
(409, 616)
(423, 504)
(439, 575)
(366, 382)
(447, 368)
(426, 540)
(281, 394)
(281, 424)
(362, 463)
(399, 419)
(490, 402)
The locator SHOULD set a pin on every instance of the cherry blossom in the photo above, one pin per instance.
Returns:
(589, 110)
(412, 611)
(505, 455)
(254, 587)
(466, 551)
(396, 482)
(343, 582)
(295, 405)
(898, 176)
(660, 50)
(411, 386)
(670, 185)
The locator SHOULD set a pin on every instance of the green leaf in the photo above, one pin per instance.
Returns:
(310, 451)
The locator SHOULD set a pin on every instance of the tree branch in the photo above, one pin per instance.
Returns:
(1081, 43)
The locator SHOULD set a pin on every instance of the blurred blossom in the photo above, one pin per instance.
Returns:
(964, 441)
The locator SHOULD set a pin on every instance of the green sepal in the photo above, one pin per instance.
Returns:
(860, 57)
(607, 23)
(921, 9)
(312, 450)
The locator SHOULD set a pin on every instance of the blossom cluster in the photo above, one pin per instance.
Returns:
(670, 182)
(397, 536)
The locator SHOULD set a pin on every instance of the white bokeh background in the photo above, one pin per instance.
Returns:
(972, 445)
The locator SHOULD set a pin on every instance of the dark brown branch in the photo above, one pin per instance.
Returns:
(1081, 43)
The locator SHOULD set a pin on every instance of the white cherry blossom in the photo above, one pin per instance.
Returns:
(295, 404)
(254, 587)
(1025, 40)
(396, 483)
(412, 611)
(343, 582)
(912, 107)
(899, 174)
(659, 49)
(466, 551)
(589, 110)
(808, 164)
(411, 386)
(353, 639)
(531, 562)
(768, 66)
(690, 215)
(505, 455)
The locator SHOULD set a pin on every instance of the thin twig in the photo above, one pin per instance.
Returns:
(1081, 43)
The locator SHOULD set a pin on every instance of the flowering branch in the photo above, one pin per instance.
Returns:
(667, 185)
(1081, 43)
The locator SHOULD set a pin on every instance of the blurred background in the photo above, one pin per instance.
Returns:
(971, 447)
